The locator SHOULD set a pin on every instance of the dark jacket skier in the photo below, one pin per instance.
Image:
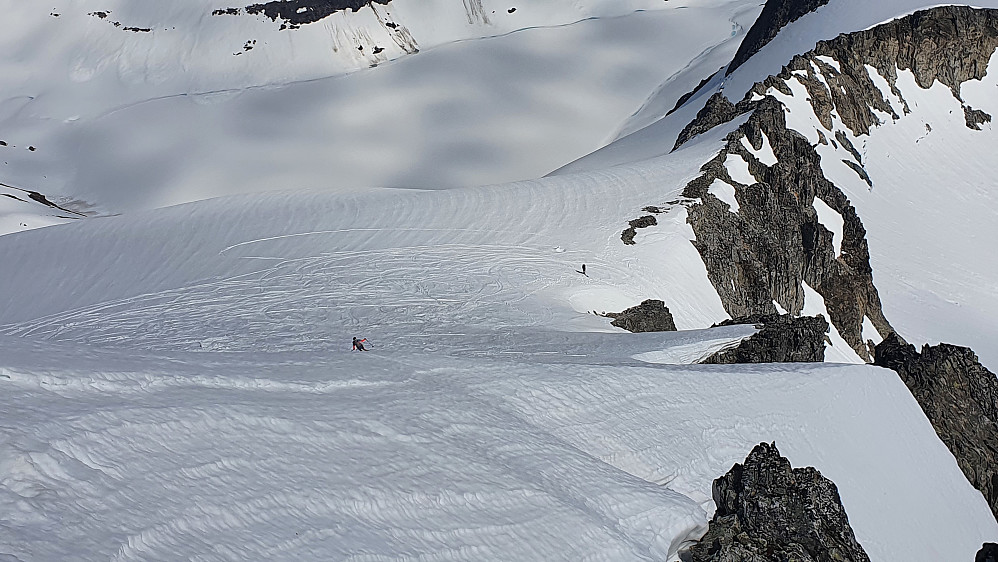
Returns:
(359, 344)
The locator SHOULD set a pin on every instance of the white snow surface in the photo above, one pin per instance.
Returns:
(738, 169)
(833, 221)
(765, 154)
(725, 192)
(471, 429)
(393, 454)
(836, 348)
(549, 84)
(176, 382)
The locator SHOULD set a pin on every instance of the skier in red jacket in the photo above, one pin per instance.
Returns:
(359, 344)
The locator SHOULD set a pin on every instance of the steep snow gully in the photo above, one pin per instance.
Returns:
(176, 381)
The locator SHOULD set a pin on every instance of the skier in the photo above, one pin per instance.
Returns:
(584, 270)
(358, 345)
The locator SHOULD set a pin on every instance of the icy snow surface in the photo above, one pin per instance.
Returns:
(764, 154)
(471, 429)
(833, 221)
(725, 192)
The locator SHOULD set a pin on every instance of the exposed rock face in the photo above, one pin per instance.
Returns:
(775, 14)
(951, 44)
(767, 511)
(716, 111)
(774, 243)
(975, 117)
(783, 339)
(960, 398)
(649, 316)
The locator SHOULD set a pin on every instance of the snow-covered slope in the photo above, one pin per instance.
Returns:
(105, 121)
(392, 454)
(508, 439)
(395, 263)
(655, 134)
(927, 211)
(498, 416)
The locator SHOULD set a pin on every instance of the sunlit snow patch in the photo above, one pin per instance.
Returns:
(831, 220)
(738, 169)
(764, 154)
(725, 192)
(836, 350)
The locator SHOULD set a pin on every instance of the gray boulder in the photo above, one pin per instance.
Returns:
(649, 316)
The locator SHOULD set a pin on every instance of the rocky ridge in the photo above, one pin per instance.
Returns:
(960, 398)
(774, 16)
(756, 268)
(781, 339)
(768, 511)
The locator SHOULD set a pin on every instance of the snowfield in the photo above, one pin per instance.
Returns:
(472, 430)
(393, 455)
(549, 85)
(176, 380)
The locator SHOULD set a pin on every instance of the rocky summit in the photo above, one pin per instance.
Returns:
(768, 511)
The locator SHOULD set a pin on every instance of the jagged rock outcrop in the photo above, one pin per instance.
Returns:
(716, 111)
(649, 316)
(775, 14)
(773, 243)
(960, 398)
(782, 339)
(768, 511)
(951, 44)
(987, 553)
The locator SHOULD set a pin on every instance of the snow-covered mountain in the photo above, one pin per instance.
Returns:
(77, 114)
(249, 186)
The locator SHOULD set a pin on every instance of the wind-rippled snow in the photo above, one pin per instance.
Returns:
(395, 455)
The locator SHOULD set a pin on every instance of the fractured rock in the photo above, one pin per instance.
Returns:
(987, 553)
(768, 511)
(649, 316)
(960, 398)
(782, 339)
